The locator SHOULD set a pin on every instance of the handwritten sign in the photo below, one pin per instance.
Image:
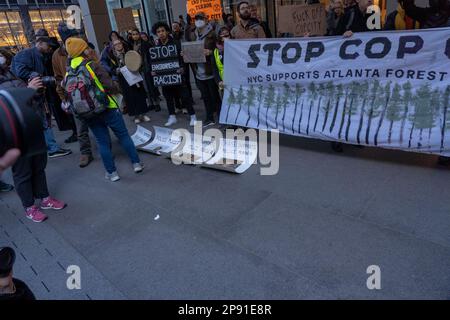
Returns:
(165, 64)
(166, 140)
(194, 52)
(211, 8)
(301, 19)
(124, 19)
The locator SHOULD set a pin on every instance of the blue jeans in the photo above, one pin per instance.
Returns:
(99, 126)
(52, 146)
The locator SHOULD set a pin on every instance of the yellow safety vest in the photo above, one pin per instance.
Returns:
(76, 62)
(219, 63)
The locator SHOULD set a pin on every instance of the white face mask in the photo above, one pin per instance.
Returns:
(199, 23)
(2, 61)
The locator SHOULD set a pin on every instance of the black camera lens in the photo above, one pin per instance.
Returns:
(20, 127)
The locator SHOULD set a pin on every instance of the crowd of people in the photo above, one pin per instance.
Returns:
(59, 72)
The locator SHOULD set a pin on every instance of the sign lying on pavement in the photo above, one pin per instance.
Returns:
(385, 89)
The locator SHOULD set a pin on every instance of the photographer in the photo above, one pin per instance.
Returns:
(27, 65)
(29, 172)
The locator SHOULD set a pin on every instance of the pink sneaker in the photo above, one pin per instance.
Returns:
(35, 215)
(52, 204)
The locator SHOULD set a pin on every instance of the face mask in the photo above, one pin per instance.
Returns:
(199, 23)
(2, 61)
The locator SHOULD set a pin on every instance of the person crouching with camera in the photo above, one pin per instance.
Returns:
(29, 171)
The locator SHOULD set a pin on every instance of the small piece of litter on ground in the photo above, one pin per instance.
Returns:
(157, 217)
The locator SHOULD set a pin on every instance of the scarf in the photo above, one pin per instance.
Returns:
(206, 31)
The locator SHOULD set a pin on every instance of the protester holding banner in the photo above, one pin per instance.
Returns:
(435, 16)
(399, 20)
(256, 18)
(111, 118)
(334, 17)
(246, 28)
(204, 72)
(171, 92)
(219, 54)
(355, 18)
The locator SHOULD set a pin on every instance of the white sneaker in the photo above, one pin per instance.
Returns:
(113, 177)
(193, 120)
(138, 168)
(146, 119)
(185, 111)
(172, 120)
(137, 120)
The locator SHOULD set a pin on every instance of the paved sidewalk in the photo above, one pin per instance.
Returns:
(309, 232)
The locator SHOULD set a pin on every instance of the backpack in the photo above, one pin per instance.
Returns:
(87, 99)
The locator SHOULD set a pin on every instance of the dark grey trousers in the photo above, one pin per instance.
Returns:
(83, 137)
(29, 178)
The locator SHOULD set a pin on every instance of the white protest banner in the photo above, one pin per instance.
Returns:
(132, 78)
(234, 155)
(386, 89)
(141, 137)
(166, 140)
(193, 52)
(165, 64)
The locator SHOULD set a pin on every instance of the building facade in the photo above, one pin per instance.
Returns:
(18, 19)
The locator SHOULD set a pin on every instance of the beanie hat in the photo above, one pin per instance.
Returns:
(75, 47)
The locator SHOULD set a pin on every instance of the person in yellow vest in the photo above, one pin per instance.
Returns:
(110, 118)
(224, 34)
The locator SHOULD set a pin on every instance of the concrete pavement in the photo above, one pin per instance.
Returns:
(309, 232)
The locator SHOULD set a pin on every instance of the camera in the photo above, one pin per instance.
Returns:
(46, 81)
(20, 127)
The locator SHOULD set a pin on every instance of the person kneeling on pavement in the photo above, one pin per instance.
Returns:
(90, 90)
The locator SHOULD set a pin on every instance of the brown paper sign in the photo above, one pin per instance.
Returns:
(301, 19)
(193, 52)
(124, 19)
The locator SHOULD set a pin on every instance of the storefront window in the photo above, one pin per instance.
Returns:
(156, 11)
(51, 19)
(11, 31)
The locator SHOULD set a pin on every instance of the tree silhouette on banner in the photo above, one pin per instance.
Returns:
(231, 101)
(251, 98)
(351, 111)
(312, 96)
(330, 92)
(298, 93)
(269, 102)
(394, 109)
(387, 97)
(339, 94)
(322, 91)
(363, 93)
(445, 102)
(286, 99)
(240, 99)
(407, 99)
(260, 100)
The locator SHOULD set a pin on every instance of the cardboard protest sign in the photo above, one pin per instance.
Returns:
(124, 19)
(165, 64)
(194, 52)
(301, 19)
(211, 8)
